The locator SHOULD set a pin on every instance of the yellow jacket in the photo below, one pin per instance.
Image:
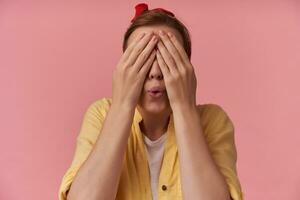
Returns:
(135, 179)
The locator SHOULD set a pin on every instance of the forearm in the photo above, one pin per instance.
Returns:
(98, 177)
(200, 176)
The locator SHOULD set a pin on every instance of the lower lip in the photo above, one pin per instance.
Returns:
(157, 94)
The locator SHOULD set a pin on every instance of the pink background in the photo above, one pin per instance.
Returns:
(57, 58)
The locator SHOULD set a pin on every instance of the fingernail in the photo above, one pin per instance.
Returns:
(147, 33)
(154, 38)
(161, 32)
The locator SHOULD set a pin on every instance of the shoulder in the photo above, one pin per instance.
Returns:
(100, 105)
(211, 110)
(98, 109)
(214, 118)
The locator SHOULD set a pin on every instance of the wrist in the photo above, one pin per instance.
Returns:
(184, 108)
(122, 107)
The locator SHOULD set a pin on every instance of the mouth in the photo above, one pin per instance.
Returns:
(156, 93)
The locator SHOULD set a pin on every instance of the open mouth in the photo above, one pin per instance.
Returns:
(156, 94)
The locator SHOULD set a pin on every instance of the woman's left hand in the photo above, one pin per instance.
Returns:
(179, 76)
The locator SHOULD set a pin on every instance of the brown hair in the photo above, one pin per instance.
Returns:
(150, 17)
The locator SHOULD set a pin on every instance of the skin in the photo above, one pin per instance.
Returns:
(201, 178)
(155, 113)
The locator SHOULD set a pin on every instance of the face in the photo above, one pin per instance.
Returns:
(149, 103)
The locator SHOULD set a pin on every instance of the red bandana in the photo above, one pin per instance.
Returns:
(141, 7)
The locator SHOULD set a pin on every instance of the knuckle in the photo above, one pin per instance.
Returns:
(138, 50)
(174, 52)
(184, 71)
(143, 56)
(172, 63)
(126, 65)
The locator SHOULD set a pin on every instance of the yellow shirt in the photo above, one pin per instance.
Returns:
(135, 177)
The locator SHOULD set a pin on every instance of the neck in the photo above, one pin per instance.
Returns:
(154, 125)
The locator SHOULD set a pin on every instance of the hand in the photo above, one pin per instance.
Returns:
(129, 75)
(178, 72)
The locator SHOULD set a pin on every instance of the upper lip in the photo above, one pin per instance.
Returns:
(157, 89)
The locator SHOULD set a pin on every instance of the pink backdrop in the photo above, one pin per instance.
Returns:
(57, 58)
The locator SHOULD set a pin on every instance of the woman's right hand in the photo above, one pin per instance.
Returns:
(129, 75)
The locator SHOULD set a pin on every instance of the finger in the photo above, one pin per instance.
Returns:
(145, 54)
(144, 70)
(167, 57)
(179, 48)
(131, 46)
(171, 49)
(163, 66)
(138, 49)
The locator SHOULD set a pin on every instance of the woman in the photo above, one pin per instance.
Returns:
(151, 140)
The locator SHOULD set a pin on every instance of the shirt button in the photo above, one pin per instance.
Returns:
(164, 187)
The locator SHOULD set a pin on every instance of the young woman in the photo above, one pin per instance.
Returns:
(151, 140)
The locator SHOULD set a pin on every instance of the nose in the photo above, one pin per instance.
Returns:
(155, 71)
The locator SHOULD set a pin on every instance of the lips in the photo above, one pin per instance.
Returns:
(156, 92)
(156, 89)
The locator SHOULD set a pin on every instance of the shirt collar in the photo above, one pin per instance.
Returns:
(138, 118)
(170, 145)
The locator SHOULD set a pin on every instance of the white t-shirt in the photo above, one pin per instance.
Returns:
(155, 152)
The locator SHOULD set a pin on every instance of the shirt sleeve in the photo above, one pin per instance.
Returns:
(221, 142)
(90, 128)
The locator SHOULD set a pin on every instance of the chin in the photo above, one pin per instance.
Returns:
(155, 108)
(148, 105)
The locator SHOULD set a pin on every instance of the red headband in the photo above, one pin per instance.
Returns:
(141, 7)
